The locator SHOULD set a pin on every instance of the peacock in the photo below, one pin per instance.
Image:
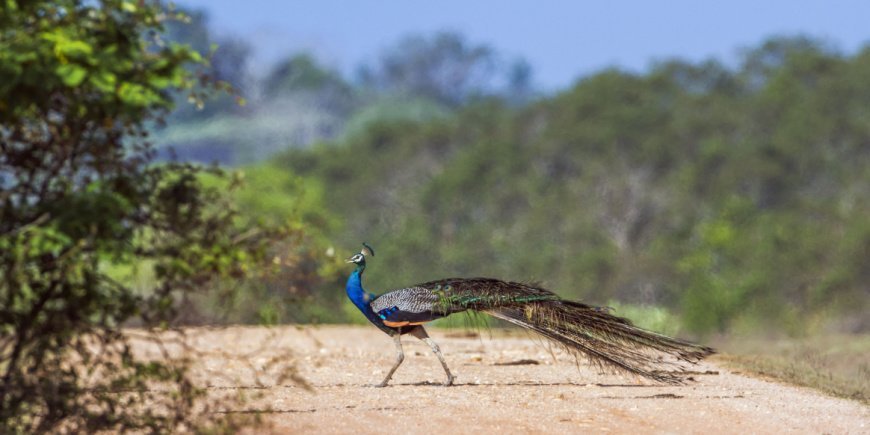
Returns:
(583, 330)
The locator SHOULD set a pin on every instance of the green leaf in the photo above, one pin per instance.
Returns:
(195, 56)
(72, 48)
(136, 94)
(104, 81)
(71, 74)
(160, 82)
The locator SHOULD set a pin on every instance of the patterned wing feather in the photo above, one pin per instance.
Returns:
(460, 294)
(432, 300)
(413, 305)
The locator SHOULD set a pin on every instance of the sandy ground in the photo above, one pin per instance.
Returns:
(505, 383)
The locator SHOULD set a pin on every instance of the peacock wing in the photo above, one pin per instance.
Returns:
(408, 306)
(459, 294)
(435, 299)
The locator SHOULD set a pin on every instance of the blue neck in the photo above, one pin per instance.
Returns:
(355, 291)
(362, 298)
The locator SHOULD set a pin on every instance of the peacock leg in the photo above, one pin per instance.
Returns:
(400, 356)
(420, 333)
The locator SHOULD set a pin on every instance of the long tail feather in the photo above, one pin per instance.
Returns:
(606, 340)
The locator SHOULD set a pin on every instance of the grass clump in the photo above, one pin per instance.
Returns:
(838, 365)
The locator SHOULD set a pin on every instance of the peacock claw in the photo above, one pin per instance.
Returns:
(449, 381)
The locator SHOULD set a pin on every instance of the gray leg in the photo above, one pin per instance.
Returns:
(420, 333)
(400, 356)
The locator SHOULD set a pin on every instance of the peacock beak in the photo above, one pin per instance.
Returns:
(349, 260)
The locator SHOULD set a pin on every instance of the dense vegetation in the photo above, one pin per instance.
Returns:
(737, 198)
(83, 206)
(709, 197)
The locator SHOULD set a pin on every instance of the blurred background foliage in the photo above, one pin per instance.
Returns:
(725, 198)
(700, 198)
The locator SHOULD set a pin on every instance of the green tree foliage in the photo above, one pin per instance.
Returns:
(307, 270)
(737, 198)
(80, 200)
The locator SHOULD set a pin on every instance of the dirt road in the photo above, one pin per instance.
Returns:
(506, 384)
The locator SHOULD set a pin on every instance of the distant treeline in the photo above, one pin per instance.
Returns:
(737, 198)
(299, 100)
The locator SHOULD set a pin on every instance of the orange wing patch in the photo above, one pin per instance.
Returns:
(395, 324)
(401, 324)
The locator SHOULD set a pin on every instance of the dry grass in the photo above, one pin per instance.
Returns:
(838, 365)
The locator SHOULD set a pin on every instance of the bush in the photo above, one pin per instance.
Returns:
(79, 83)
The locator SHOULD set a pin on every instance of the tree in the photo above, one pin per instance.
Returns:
(301, 76)
(228, 59)
(444, 67)
(82, 202)
(519, 81)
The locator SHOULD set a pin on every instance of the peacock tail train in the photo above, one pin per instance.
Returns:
(606, 340)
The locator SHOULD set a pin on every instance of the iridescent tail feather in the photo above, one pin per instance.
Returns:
(605, 339)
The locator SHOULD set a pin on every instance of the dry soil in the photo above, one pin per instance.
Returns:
(506, 383)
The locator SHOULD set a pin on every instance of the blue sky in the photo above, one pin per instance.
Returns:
(563, 40)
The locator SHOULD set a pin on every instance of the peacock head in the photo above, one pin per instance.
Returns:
(360, 258)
